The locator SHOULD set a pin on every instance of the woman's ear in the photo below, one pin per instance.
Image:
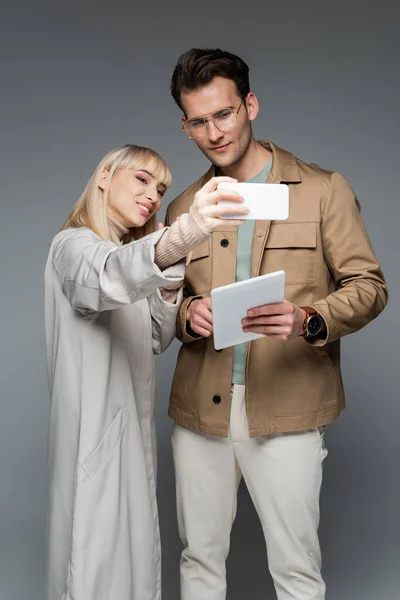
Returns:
(103, 180)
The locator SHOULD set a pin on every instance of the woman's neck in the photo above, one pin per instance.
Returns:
(117, 227)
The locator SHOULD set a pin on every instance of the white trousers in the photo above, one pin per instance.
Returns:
(283, 473)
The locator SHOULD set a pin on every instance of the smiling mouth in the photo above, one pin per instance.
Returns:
(144, 207)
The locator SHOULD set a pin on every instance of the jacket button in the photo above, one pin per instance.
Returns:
(224, 243)
(217, 399)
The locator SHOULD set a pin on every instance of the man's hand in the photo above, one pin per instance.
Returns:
(199, 316)
(280, 321)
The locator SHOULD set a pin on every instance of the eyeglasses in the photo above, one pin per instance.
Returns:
(223, 120)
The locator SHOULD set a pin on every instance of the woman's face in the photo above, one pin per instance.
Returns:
(134, 196)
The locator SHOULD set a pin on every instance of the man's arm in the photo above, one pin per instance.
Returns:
(361, 292)
(361, 288)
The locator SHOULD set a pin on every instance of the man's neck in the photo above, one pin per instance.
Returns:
(250, 164)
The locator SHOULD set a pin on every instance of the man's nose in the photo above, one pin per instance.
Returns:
(213, 132)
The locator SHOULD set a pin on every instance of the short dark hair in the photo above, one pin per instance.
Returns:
(198, 67)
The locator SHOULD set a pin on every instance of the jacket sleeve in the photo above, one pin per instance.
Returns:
(361, 292)
(97, 275)
(164, 313)
(183, 331)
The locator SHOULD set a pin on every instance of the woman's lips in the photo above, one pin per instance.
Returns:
(145, 208)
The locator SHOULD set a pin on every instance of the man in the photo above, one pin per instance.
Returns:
(259, 410)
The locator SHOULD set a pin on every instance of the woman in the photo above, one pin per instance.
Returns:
(112, 288)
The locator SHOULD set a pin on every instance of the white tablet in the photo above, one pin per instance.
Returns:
(230, 303)
(266, 201)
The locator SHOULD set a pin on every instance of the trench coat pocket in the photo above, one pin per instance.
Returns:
(292, 247)
(100, 455)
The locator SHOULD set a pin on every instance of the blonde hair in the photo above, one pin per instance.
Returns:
(91, 208)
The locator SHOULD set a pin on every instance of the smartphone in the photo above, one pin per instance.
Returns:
(266, 201)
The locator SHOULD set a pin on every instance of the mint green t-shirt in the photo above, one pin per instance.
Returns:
(243, 271)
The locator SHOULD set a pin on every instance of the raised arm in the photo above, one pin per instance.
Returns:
(97, 275)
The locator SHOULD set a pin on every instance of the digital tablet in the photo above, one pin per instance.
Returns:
(266, 201)
(230, 303)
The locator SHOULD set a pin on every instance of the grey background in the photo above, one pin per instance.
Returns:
(79, 78)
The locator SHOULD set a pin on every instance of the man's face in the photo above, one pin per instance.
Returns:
(222, 148)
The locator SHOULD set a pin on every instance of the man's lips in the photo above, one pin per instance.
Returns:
(220, 148)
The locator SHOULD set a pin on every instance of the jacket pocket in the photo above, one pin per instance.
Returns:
(100, 455)
(292, 248)
(305, 380)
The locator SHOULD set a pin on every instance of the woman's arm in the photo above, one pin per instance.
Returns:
(97, 275)
(178, 240)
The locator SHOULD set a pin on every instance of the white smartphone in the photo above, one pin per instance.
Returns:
(266, 201)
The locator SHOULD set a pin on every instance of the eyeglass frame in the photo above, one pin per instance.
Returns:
(210, 118)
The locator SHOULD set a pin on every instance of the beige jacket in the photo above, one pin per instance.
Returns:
(325, 251)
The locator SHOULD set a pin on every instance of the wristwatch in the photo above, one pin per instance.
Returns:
(313, 323)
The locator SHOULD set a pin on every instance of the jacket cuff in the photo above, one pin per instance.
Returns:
(184, 333)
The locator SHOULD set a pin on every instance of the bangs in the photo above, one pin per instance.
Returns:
(136, 157)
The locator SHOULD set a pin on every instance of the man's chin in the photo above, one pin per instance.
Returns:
(220, 161)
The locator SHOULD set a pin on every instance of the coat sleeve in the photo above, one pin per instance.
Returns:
(361, 292)
(164, 313)
(97, 275)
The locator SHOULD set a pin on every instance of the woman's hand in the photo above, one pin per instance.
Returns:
(206, 211)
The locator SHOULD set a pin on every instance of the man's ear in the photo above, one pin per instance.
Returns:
(252, 106)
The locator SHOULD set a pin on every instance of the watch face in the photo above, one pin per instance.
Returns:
(314, 325)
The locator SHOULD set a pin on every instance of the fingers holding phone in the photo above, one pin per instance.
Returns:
(208, 213)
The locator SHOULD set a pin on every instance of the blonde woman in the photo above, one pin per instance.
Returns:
(113, 288)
